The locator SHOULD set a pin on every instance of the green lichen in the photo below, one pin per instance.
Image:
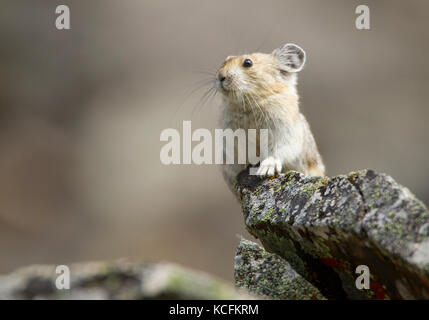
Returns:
(311, 187)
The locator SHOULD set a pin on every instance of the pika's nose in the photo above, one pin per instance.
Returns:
(221, 77)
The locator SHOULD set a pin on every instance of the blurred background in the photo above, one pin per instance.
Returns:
(81, 112)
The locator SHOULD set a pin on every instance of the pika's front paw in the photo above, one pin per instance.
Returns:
(269, 167)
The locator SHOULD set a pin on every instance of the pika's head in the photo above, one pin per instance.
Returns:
(260, 74)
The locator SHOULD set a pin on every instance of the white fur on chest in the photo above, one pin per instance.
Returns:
(285, 139)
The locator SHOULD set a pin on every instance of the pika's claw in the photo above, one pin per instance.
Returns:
(269, 167)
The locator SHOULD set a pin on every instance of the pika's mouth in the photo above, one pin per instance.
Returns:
(218, 84)
(221, 82)
(222, 86)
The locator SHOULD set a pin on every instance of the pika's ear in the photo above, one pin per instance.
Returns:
(291, 57)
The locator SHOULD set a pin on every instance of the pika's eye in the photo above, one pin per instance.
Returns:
(247, 63)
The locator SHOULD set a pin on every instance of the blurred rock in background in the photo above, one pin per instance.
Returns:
(81, 112)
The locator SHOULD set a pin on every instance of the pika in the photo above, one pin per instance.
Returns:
(258, 91)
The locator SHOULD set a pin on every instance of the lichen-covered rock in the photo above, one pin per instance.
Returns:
(325, 227)
(116, 280)
(267, 274)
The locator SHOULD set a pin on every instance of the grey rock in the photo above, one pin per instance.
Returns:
(117, 280)
(267, 274)
(325, 227)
